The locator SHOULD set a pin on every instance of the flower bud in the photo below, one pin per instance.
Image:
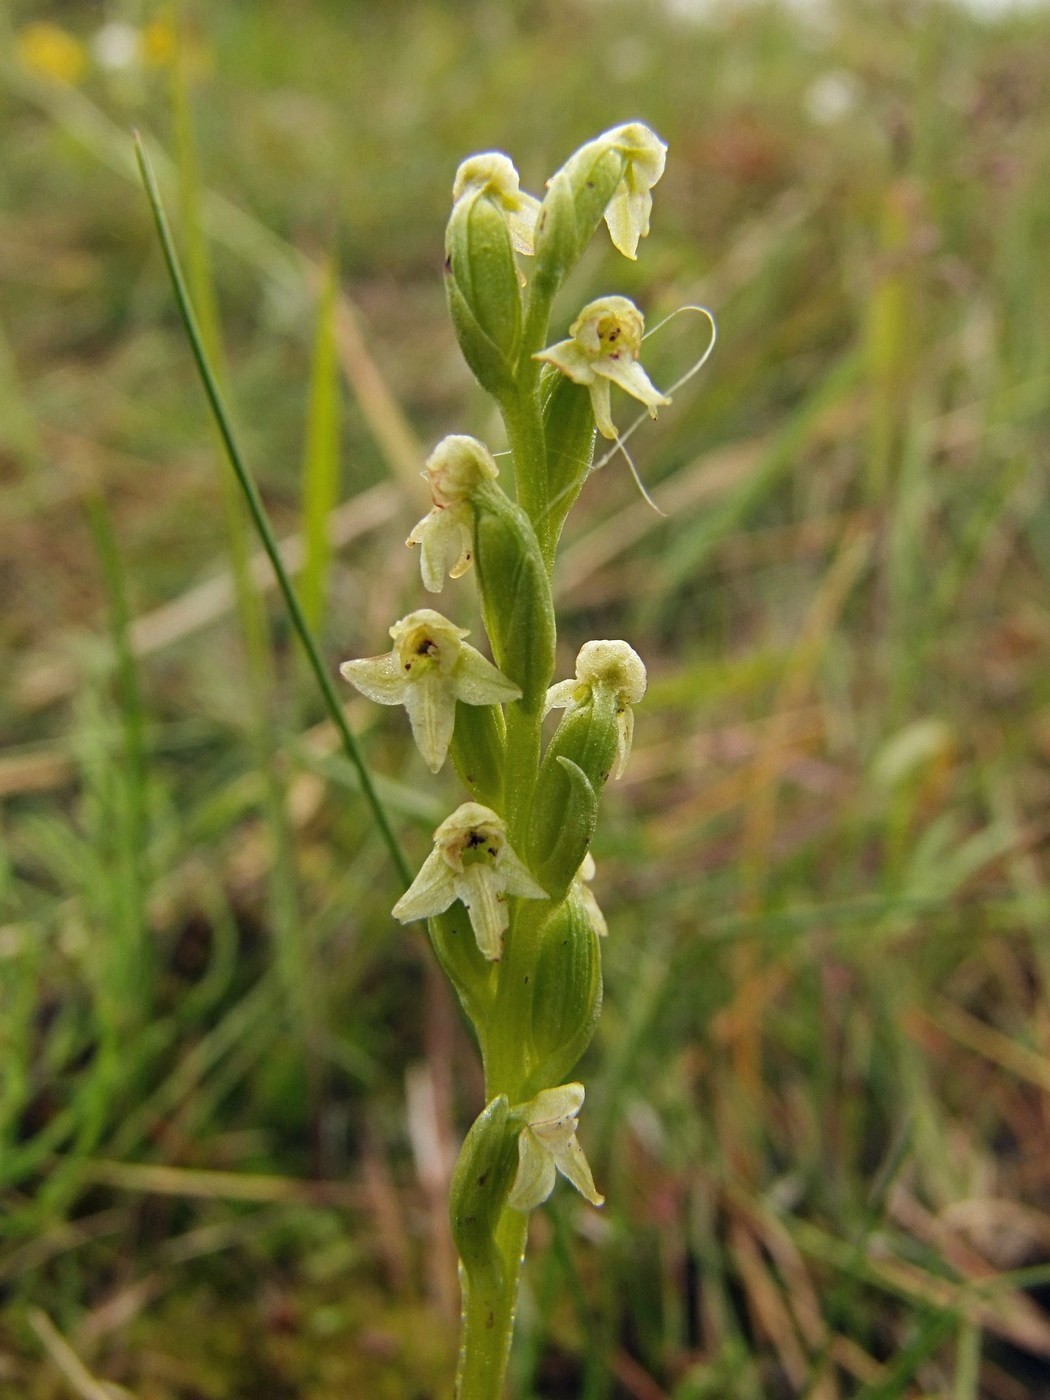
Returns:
(515, 593)
(484, 293)
(567, 992)
(481, 1180)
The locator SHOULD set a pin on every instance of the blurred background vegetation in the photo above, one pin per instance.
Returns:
(230, 1086)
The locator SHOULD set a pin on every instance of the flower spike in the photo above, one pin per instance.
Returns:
(603, 348)
(428, 670)
(616, 668)
(472, 860)
(455, 469)
(547, 1145)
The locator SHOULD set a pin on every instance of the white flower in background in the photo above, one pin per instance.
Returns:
(603, 348)
(473, 861)
(428, 670)
(618, 669)
(454, 470)
(493, 174)
(547, 1145)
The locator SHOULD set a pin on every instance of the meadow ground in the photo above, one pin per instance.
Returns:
(230, 1085)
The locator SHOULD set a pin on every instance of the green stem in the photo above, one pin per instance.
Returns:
(488, 1316)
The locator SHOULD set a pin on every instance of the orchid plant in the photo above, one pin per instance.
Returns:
(506, 889)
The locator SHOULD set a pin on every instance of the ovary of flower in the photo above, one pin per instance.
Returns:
(603, 348)
(471, 861)
(627, 213)
(547, 1145)
(493, 174)
(455, 469)
(618, 669)
(428, 670)
(581, 885)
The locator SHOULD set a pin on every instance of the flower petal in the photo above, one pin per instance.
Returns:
(478, 682)
(431, 892)
(573, 361)
(560, 696)
(629, 375)
(572, 1164)
(624, 739)
(378, 677)
(535, 1176)
(517, 879)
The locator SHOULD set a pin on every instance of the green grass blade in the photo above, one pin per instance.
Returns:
(259, 518)
(321, 457)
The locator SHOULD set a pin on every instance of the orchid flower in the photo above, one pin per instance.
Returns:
(603, 348)
(454, 470)
(627, 213)
(473, 861)
(428, 670)
(616, 667)
(547, 1145)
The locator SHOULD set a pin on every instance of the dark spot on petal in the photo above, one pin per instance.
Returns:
(448, 265)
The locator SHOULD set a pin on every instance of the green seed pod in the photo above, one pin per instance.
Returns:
(567, 993)
(515, 593)
(577, 197)
(481, 1180)
(484, 294)
(477, 751)
(568, 419)
(574, 770)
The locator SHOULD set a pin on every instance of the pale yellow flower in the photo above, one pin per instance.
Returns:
(428, 670)
(547, 1145)
(618, 669)
(473, 861)
(603, 348)
(455, 469)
